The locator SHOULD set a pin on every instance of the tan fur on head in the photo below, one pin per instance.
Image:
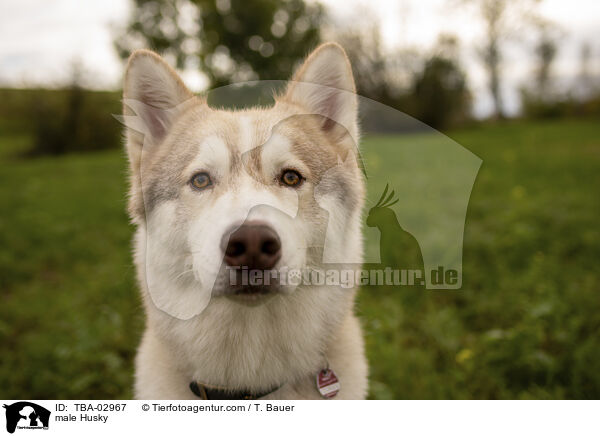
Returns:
(286, 339)
(155, 93)
(334, 95)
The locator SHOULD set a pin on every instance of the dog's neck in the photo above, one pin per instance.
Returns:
(254, 348)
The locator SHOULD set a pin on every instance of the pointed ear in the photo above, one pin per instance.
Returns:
(324, 85)
(152, 95)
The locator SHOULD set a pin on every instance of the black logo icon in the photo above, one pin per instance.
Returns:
(397, 247)
(26, 415)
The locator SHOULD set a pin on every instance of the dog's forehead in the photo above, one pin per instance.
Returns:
(227, 141)
(252, 129)
(240, 131)
(256, 137)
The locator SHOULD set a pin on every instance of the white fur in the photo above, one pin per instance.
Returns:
(193, 331)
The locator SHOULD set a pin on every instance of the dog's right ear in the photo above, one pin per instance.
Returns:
(153, 95)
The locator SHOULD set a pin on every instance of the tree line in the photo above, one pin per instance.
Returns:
(243, 40)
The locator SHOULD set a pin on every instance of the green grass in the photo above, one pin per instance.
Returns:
(524, 325)
(69, 318)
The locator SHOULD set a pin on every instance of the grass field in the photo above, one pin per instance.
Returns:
(524, 325)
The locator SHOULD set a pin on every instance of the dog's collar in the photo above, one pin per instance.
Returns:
(213, 393)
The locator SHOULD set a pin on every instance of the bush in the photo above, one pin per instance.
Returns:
(538, 107)
(74, 121)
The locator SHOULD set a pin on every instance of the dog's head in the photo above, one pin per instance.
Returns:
(254, 190)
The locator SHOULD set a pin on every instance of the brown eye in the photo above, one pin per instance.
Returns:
(291, 178)
(200, 181)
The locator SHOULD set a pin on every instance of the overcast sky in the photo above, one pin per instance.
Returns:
(40, 39)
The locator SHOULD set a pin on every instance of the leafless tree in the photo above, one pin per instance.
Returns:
(502, 19)
(587, 83)
(545, 50)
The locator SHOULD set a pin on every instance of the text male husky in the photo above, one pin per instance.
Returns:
(216, 194)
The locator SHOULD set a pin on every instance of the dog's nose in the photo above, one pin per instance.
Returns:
(255, 245)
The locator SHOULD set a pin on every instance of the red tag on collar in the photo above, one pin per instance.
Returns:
(328, 384)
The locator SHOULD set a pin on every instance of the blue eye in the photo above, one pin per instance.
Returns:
(200, 181)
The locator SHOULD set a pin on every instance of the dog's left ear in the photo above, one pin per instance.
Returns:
(324, 85)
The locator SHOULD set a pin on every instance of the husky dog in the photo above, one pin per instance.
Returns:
(257, 189)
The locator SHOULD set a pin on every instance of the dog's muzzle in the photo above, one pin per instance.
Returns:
(253, 251)
(254, 245)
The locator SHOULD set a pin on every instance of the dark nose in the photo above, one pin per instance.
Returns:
(254, 245)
